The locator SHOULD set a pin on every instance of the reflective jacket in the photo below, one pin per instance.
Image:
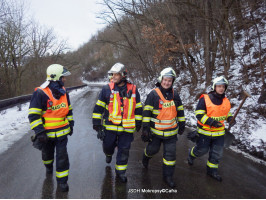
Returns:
(154, 108)
(50, 114)
(107, 112)
(122, 109)
(214, 108)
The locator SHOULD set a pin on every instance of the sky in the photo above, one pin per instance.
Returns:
(73, 20)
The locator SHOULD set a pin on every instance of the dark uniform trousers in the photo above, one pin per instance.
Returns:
(62, 161)
(169, 152)
(123, 142)
(215, 147)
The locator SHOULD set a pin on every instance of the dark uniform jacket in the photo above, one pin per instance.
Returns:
(151, 110)
(100, 111)
(39, 101)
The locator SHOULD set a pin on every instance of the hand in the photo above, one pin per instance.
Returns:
(231, 121)
(181, 129)
(146, 135)
(42, 137)
(193, 136)
(138, 127)
(71, 130)
(97, 127)
(101, 134)
(216, 124)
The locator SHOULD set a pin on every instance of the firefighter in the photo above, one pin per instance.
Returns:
(50, 116)
(116, 116)
(163, 119)
(211, 112)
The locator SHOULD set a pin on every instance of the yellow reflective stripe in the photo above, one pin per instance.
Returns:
(191, 152)
(55, 123)
(101, 103)
(138, 105)
(148, 107)
(209, 133)
(58, 133)
(163, 121)
(146, 119)
(115, 105)
(156, 112)
(35, 123)
(60, 118)
(211, 165)
(96, 116)
(35, 111)
(229, 115)
(120, 167)
(119, 128)
(204, 119)
(70, 118)
(62, 174)
(47, 162)
(146, 153)
(181, 119)
(180, 107)
(198, 112)
(165, 125)
(171, 163)
(70, 107)
(164, 133)
(138, 117)
(130, 108)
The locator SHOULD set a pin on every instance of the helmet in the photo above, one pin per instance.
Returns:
(221, 80)
(55, 71)
(167, 72)
(118, 68)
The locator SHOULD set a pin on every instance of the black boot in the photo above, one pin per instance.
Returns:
(145, 161)
(108, 159)
(169, 181)
(215, 175)
(122, 177)
(63, 187)
(190, 158)
(49, 170)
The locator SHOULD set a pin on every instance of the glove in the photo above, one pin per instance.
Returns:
(36, 142)
(138, 127)
(181, 129)
(193, 136)
(231, 121)
(146, 135)
(216, 124)
(97, 127)
(101, 134)
(71, 130)
(42, 137)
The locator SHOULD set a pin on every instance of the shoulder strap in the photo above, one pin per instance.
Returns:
(158, 91)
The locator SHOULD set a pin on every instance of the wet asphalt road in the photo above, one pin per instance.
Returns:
(22, 174)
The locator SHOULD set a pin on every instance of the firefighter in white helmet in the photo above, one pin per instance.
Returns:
(51, 118)
(212, 111)
(116, 116)
(163, 119)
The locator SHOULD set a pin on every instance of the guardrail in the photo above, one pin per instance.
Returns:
(7, 103)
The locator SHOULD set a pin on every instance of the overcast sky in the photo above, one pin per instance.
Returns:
(74, 20)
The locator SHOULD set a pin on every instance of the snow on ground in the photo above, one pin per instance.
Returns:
(14, 124)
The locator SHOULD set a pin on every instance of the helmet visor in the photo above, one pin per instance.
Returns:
(65, 72)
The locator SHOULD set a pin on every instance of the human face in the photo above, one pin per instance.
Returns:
(167, 82)
(63, 79)
(116, 77)
(220, 89)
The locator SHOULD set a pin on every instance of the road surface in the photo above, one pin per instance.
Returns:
(22, 174)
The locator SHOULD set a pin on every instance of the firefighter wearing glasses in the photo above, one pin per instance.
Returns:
(50, 116)
(163, 119)
(116, 116)
(212, 110)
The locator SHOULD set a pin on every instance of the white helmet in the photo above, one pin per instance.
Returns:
(55, 71)
(167, 72)
(118, 68)
(221, 80)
